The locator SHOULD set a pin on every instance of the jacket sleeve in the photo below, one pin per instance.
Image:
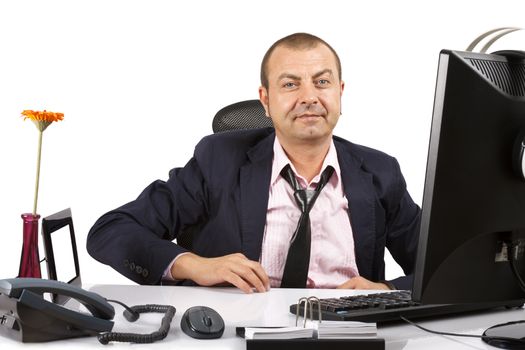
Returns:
(136, 239)
(402, 226)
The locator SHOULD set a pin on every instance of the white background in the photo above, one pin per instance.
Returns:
(140, 81)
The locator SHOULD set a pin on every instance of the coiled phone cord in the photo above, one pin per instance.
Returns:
(132, 314)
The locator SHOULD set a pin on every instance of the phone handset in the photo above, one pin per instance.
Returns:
(28, 317)
(29, 292)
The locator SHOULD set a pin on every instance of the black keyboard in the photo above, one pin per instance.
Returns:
(386, 307)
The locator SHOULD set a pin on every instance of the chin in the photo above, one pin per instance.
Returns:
(313, 135)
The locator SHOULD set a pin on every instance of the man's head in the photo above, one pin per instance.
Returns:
(301, 88)
(297, 41)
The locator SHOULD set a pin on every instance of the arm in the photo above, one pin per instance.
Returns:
(135, 239)
(402, 230)
(399, 228)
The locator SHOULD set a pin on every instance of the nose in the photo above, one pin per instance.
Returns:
(308, 95)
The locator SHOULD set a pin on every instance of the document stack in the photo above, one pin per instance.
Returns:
(316, 330)
(278, 332)
(343, 329)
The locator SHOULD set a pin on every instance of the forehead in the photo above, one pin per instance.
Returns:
(295, 61)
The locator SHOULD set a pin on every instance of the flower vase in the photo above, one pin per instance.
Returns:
(30, 261)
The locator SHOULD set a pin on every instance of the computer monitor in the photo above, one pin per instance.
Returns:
(474, 195)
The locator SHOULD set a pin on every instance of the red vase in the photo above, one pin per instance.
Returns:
(30, 261)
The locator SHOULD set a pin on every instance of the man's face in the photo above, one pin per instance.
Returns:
(304, 94)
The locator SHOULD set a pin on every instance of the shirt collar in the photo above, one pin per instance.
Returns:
(280, 160)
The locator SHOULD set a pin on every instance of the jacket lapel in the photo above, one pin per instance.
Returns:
(254, 185)
(359, 190)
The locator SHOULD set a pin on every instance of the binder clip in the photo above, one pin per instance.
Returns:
(308, 306)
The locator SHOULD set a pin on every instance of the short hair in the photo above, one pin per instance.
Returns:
(298, 41)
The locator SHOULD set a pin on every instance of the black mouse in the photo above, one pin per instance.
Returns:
(202, 322)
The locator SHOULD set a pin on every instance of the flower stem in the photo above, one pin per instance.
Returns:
(39, 154)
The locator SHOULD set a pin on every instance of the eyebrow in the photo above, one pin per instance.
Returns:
(289, 76)
(295, 77)
(323, 72)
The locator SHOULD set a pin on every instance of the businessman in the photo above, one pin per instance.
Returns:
(289, 206)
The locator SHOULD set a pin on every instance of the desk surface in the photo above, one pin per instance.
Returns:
(265, 309)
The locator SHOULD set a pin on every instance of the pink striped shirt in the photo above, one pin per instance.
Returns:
(332, 255)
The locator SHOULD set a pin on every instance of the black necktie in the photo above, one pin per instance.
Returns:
(298, 258)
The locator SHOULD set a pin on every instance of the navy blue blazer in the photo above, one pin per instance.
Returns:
(216, 205)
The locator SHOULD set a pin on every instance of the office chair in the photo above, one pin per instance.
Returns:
(248, 114)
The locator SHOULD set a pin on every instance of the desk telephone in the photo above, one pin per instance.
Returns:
(27, 317)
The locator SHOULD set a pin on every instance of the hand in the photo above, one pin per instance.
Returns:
(235, 269)
(362, 283)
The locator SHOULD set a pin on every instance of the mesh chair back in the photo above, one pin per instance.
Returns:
(241, 115)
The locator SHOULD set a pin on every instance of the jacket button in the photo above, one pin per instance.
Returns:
(145, 273)
(138, 269)
(132, 266)
(126, 262)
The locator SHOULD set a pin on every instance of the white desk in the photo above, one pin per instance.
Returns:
(262, 309)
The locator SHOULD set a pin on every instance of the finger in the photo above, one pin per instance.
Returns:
(238, 282)
(251, 271)
(261, 273)
(250, 276)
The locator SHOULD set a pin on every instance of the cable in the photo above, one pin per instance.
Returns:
(486, 338)
(514, 247)
(130, 313)
(502, 342)
(439, 333)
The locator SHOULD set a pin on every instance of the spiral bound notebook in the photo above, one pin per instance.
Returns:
(313, 334)
(315, 330)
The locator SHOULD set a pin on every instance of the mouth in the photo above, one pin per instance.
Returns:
(308, 117)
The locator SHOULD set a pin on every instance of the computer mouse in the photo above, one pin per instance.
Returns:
(202, 322)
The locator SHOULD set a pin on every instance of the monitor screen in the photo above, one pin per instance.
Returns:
(473, 219)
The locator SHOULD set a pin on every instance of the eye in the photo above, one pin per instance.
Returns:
(323, 82)
(289, 85)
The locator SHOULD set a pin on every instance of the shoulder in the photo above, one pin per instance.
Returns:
(235, 138)
(227, 151)
(366, 156)
(235, 142)
(368, 163)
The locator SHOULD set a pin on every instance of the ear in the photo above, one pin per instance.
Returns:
(340, 96)
(263, 97)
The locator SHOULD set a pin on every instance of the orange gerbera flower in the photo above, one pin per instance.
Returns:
(42, 119)
(43, 115)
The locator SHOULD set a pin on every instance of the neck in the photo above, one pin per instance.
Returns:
(307, 158)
